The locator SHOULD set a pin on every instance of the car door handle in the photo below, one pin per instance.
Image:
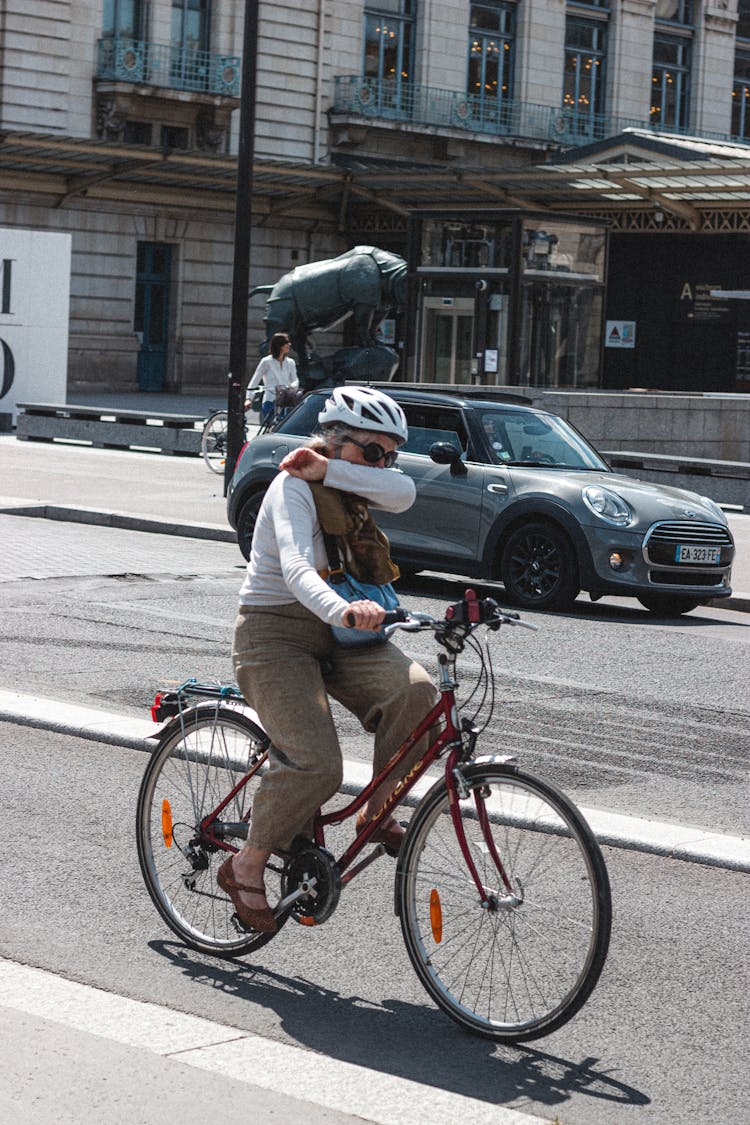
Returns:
(501, 489)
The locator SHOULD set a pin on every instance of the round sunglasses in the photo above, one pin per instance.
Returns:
(373, 452)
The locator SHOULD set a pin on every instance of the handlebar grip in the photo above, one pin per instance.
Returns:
(392, 616)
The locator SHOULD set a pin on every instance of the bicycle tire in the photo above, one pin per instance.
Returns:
(517, 972)
(197, 762)
(214, 441)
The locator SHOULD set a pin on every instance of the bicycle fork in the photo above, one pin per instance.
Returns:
(458, 790)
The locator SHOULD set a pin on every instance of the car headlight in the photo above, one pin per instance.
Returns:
(607, 505)
(714, 507)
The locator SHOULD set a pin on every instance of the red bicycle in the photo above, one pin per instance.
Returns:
(501, 888)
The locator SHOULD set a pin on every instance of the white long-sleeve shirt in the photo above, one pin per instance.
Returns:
(288, 547)
(274, 373)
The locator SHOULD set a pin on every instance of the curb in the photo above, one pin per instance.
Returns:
(616, 830)
(740, 602)
(121, 520)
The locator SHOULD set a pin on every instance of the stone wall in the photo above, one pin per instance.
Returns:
(716, 427)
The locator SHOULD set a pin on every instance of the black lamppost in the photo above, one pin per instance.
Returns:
(242, 228)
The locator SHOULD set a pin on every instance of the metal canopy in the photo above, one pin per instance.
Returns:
(682, 176)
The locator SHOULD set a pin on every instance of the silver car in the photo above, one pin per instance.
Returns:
(509, 492)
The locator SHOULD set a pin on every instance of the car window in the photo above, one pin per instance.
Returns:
(520, 437)
(428, 424)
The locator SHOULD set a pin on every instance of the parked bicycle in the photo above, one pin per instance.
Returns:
(214, 440)
(501, 888)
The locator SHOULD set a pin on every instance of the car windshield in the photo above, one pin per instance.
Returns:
(518, 437)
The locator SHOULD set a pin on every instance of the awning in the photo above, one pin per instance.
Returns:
(683, 178)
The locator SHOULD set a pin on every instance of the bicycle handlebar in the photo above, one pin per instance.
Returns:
(486, 612)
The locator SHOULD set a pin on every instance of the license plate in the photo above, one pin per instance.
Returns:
(688, 553)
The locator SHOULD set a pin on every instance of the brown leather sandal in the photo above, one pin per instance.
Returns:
(261, 920)
(390, 834)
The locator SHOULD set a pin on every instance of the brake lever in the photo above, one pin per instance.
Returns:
(526, 625)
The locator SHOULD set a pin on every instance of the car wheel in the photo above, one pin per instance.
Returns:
(667, 605)
(538, 567)
(246, 521)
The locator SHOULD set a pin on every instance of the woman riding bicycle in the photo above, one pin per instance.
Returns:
(277, 372)
(283, 634)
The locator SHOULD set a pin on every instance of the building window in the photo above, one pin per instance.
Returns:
(137, 133)
(190, 24)
(743, 21)
(741, 88)
(122, 19)
(175, 136)
(584, 74)
(675, 12)
(741, 94)
(670, 81)
(389, 45)
(490, 76)
(188, 65)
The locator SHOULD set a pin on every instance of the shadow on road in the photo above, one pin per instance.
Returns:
(404, 1039)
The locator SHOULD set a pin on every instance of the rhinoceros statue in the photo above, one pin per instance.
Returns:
(365, 283)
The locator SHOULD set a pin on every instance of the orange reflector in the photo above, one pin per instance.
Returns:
(166, 822)
(305, 920)
(436, 916)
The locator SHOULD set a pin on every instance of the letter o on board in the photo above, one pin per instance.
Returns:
(7, 368)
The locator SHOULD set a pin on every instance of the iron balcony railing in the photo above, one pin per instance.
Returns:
(159, 64)
(398, 100)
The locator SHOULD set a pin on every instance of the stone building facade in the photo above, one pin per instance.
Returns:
(119, 124)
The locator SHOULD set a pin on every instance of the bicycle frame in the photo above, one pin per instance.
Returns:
(444, 713)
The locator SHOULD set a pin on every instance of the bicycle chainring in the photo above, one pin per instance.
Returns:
(314, 865)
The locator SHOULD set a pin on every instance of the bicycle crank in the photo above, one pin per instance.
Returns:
(310, 885)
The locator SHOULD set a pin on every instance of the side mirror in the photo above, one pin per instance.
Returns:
(446, 453)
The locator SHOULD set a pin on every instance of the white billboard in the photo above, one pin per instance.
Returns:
(34, 314)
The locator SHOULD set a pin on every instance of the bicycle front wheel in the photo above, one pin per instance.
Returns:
(199, 761)
(524, 965)
(214, 441)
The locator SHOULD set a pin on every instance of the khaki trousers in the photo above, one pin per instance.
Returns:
(276, 654)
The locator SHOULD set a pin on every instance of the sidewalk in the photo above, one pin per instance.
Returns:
(105, 1059)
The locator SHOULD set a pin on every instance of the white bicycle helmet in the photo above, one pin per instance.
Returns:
(364, 408)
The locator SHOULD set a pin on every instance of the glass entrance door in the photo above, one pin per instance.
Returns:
(447, 340)
(560, 335)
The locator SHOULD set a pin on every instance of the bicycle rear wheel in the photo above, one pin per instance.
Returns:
(214, 441)
(524, 967)
(199, 760)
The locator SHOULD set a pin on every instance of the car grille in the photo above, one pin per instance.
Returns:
(659, 550)
(688, 531)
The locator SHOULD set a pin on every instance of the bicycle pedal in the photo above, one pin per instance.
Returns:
(240, 926)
